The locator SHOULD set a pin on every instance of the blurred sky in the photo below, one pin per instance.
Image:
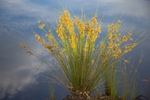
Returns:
(20, 73)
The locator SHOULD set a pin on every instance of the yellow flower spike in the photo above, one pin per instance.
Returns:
(72, 42)
(119, 51)
(110, 35)
(42, 26)
(129, 47)
(115, 37)
(94, 19)
(85, 48)
(37, 37)
(79, 24)
(124, 38)
(42, 41)
(49, 36)
(133, 45)
(60, 35)
(98, 29)
(115, 56)
(66, 21)
(22, 45)
(60, 30)
(126, 61)
(66, 13)
(39, 21)
(110, 45)
(87, 26)
(94, 37)
(119, 21)
(91, 31)
(117, 30)
(117, 26)
(61, 20)
(50, 48)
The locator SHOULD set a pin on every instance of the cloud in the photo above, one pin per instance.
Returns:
(137, 8)
(14, 1)
(28, 8)
(17, 70)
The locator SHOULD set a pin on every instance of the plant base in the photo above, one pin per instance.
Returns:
(72, 96)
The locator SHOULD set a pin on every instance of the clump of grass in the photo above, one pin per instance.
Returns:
(85, 62)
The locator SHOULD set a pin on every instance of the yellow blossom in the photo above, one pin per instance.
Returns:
(115, 37)
(126, 51)
(115, 56)
(110, 45)
(94, 19)
(110, 36)
(23, 45)
(126, 61)
(94, 37)
(124, 38)
(60, 31)
(39, 21)
(50, 37)
(119, 51)
(98, 29)
(50, 48)
(72, 42)
(87, 26)
(42, 41)
(119, 21)
(129, 47)
(79, 25)
(133, 45)
(41, 26)
(37, 37)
